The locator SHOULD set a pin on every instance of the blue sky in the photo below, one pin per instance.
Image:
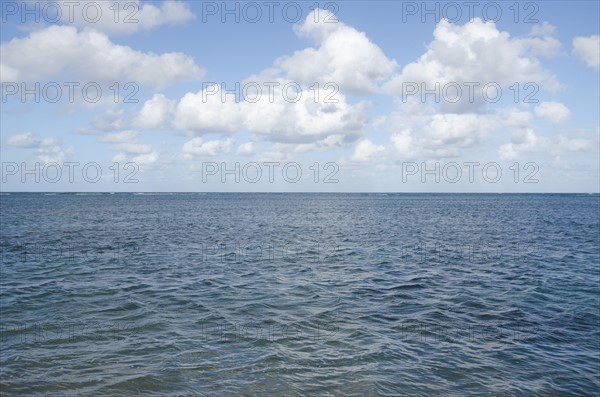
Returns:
(170, 129)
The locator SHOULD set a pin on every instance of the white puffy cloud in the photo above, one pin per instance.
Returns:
(318, 119)
(122, 16)
(419, 130)
(321, 117)
(443, 135)
(305, 120)
(461, 130)
(588, 50)
(365, 150)
(89, 56)
(404, 144)
(477, 52)
(197, 147)
(207, 111)
(554, 112)
(279, 117)
(344, 56)
(155, 112)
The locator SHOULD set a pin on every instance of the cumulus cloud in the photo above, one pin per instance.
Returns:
(90, 56)
(155, 112)
(207, 111)
(554, 112)
(304, 120)
(344, 56)
(365, 150)
(420, 130)
(442, 135)
(197, 147)
(118, 17)
(588, 50)
(477, 52)
(319, 118)
(279, 117)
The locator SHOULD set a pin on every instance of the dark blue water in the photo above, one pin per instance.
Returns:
(300, 294)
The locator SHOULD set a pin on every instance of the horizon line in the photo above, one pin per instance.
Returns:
(292, 192)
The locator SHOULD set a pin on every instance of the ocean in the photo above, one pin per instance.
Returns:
(299, 294)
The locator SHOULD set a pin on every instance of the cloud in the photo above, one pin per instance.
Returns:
(89, 56)
(420, 130)
(119, 17)
(206, 111)
(365, 150)
(285, 151)
(197, 147)
(145, 159)
(119, 137)
(527, 141)
(304, 120)
(319, 118)
(344, 56)
(110, 120)
(128, 149)
(404, 144)
(588, 50)
(29, 140)
(155, 112)
(443, 135)
(245, 149)
(133, 148)
(477, 52)
(541, 41)
(277, 117)
(554, 112)
(49, 150)
(54, 154)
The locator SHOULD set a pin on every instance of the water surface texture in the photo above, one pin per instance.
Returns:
(299, 294)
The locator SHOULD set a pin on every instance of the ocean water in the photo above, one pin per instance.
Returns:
(300, 294)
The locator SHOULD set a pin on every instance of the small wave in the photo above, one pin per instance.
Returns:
(406, 286)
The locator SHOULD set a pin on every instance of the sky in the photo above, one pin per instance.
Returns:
(269, 96)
